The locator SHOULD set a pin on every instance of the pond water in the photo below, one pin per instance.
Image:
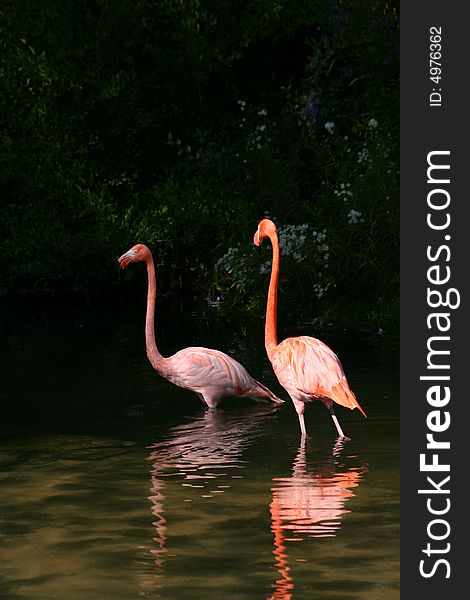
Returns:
(116, 484)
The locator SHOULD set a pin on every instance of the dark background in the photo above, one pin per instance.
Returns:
(180, 125)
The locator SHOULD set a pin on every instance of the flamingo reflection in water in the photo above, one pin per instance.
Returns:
(203, 456)
(309, 503)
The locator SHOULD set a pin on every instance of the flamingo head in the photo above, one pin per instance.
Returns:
(266, 228)
(137, 253)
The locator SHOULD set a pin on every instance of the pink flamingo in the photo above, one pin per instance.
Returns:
(209, 373)
(306, 367)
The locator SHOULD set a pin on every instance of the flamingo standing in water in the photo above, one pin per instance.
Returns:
(209, 373)
(306, 367)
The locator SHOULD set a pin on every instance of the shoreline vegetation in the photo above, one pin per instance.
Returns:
(181, 125)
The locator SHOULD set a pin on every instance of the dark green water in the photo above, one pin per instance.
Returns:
(116, 484)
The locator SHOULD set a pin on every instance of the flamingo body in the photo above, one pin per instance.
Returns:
(309, 370)
(211, 374)
(305, 367)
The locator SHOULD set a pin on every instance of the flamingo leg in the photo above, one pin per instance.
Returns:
(210, 400)
(300, 408)
(335, 421)
(302, 426)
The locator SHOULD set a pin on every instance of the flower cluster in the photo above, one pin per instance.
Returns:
(322, 248)
(363, 156)
(258, 138)
(343, 191)
(298, 242)
(321, 288)
(354, 216)
(330, 126)
(235, 263)
(291, 241)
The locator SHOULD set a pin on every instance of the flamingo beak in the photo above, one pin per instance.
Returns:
(256, 240)
(126, 258)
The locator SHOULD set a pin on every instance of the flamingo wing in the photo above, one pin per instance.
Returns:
(308, 369)
(211, 372)
(201, 367)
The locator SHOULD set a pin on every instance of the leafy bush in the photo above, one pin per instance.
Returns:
(181, 125)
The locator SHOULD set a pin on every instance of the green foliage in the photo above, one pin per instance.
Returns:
(181, 124)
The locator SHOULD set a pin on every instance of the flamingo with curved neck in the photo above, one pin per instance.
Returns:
(305, 367)
(211, 374)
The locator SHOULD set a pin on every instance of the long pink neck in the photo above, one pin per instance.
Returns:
(153, 354)
(270, 335)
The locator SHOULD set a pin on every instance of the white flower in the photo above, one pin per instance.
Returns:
(329, 126)
(354, 216)
(343, 191)
(265, 267)
(363, 156)
(291, 241)
(319, 236)
(372, 123)
(320, 289)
